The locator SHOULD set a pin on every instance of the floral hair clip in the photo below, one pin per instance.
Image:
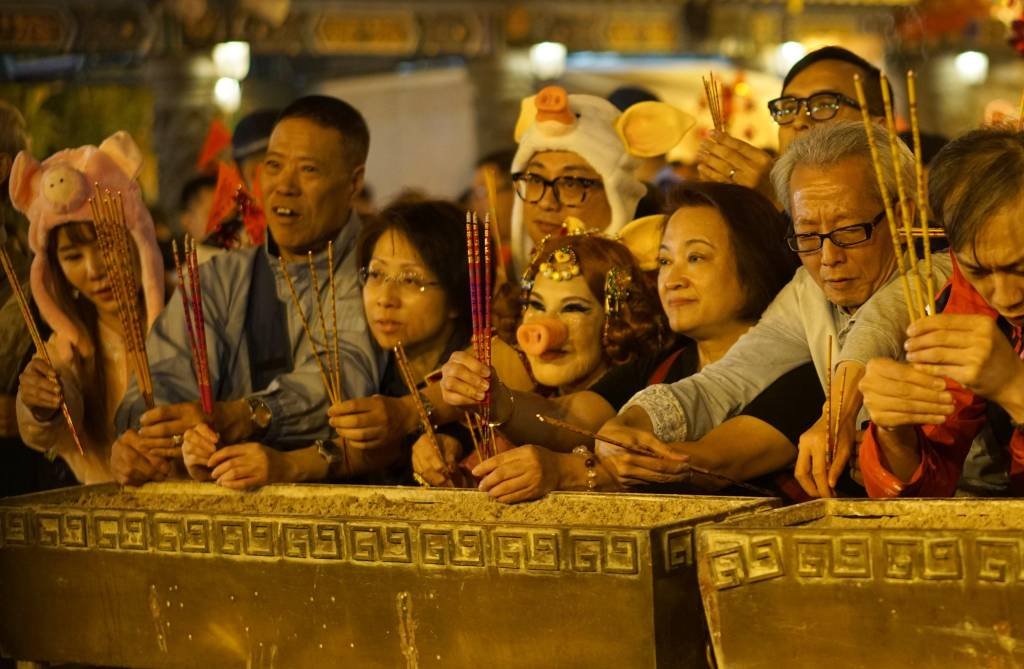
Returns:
(562, 265)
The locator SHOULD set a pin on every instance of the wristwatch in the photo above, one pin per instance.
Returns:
(328, 451)
(259, 415)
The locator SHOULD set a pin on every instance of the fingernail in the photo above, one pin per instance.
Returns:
(911, 356)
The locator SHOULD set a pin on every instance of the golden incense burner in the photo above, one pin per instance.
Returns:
(292, 576)
(880, 584)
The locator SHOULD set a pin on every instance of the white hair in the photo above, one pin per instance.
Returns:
(829, 144)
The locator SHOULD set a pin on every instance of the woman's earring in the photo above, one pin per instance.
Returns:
(75, 293)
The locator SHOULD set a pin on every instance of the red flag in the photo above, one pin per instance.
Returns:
(218, 138)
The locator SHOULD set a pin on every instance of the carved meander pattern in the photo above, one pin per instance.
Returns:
(428, 546)
(989, 558)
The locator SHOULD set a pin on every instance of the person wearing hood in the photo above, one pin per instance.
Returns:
(578, 156)
(72, 287)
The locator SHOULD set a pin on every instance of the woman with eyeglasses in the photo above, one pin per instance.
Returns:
(818, 89)
(415, 293)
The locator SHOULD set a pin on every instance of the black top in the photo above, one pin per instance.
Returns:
(621, 382)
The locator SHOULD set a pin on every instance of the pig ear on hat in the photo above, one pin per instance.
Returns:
(122, 149)
(642, 237)
(23, 180)
(652, 128)
(527, 117)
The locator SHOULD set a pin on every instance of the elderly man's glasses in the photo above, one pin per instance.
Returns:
(850, 235)
(820, 106)
(407, 282)
(569, 191)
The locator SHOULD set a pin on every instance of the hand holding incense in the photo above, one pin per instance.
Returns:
(33, 330)
(405, 371)
(640, 449)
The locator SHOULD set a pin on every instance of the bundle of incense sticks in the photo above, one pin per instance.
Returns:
(330, 373)
(33, 330)
(481, 290)
(713, 93)
(410, 382)
(116, 246)
(643, 450)
(914, 299)
(195, 322)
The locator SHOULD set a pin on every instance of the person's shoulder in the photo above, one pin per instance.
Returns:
(228, 266)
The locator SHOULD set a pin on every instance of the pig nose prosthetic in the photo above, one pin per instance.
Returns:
(541, 335)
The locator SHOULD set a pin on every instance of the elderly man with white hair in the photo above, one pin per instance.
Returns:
(846, 292)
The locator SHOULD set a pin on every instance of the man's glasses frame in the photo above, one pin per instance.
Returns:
(821, 106)
(844, 237)
(520, 181)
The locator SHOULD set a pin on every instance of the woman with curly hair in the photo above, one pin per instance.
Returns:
(721, 259)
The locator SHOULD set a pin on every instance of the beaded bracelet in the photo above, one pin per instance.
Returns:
(590, 462)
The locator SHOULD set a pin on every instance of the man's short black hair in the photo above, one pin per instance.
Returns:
(871, 76)
(190, 191)
(331, 112)
(502, 159)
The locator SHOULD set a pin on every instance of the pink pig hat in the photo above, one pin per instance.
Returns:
(57, 191)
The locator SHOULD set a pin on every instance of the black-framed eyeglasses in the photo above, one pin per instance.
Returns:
(845, 237)
(568, 190)
(820, 106)
(407, 282)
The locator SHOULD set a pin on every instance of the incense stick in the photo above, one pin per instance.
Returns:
(491, 182)
(324, 377)
(828, 399)
(335, 345)
(640, 449)
(880, 178)
(922, 191)
(834, 442)
(405, 371)
(905, 217)
(1020, 113)
(33, 330)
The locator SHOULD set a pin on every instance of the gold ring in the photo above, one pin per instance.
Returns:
(732, 174)
(178, 440)
(419, 479)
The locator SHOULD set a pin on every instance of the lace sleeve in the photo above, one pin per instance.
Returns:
(662, 406)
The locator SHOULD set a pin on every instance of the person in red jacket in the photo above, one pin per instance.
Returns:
(964, 369)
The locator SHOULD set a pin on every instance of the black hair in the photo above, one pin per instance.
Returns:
(437, 230)
(625, 97)
(330, 112)
(931, 144)
(871, 76)
(502, 159)
(190, 191)
(973, 178)
(757, 232)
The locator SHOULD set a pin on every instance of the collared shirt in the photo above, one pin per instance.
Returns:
(297, 399)
(793, 330)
